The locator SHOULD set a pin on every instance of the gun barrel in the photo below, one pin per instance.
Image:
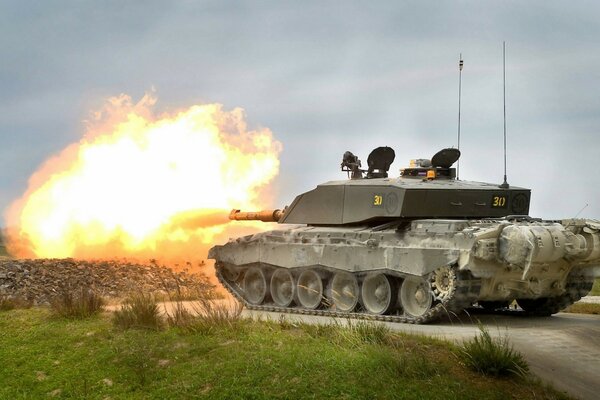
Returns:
(264, 215)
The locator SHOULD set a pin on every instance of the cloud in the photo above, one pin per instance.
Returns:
(325, 77)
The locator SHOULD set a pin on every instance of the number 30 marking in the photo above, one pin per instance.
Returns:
(499, 201)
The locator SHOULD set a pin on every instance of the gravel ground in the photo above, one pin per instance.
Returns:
(41, 279)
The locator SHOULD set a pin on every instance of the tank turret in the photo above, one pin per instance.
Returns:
(426, 189)
(412, 248)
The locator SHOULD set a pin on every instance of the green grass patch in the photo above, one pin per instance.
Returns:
(139, 311)
(204, 316)
(11, 302)
(584, 308)
(91, 358)
(596, 288)
(493, 356)
(77, 303)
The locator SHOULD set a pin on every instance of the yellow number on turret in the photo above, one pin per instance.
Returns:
(498, 201)
(377, 200)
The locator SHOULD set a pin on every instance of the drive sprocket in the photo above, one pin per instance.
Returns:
(443, 283)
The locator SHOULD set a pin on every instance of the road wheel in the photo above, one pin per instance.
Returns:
(282, 287)
(416, 296)
(255, 285)
(310, 289)
(344, 292)
(379, 294)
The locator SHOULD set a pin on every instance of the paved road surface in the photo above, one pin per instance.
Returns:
(563, 349)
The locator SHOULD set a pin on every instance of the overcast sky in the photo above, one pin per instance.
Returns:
(325, 77)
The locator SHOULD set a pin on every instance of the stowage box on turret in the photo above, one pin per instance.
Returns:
(409, 249)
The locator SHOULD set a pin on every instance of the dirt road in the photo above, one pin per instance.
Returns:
(563, 350)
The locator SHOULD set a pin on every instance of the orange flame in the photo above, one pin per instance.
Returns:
(143, 185)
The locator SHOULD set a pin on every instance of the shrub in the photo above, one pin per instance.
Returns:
(10, 303)
(329, 331)
(204, 315)
(364, 332)
(139, 311)
(81, 303)
(285, 324)
(492, 356)
(353, 333)
(139, 354)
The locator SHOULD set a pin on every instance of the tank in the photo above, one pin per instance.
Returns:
(411, 248)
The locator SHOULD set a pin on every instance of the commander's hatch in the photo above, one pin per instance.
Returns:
(440, 166)
(379, 162)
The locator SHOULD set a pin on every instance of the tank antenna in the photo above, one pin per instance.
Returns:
(505, 183)
(460, 68)
(572, 221)
(580, 211)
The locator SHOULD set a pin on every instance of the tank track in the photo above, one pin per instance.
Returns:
(464, 293)
(575, 288)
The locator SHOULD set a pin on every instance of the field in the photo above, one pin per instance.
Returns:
(47, 356)
(584, 308)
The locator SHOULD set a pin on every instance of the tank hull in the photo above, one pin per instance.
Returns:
(413, 271)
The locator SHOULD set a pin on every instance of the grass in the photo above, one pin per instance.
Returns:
(492, 356)
(351, 334)
(596, 288)
(204, 315)
(10, 303)
(81, 303)
(584, 308)
(139, 311)
(247, 359)
(587, 308)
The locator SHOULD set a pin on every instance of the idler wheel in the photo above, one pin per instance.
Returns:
(310, 289)
(344, 292)
(282, 287)
(416, 296)
(255, 285)
(378, 294)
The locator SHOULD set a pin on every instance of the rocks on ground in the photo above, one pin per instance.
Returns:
(40, 280)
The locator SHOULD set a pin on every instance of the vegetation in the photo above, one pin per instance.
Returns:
(584, 308)
(10, 303)
(204, 316)
(3, 251)
(139, 311)
(596, 288)
(235, 358)
(82, 303)
(492, 356)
